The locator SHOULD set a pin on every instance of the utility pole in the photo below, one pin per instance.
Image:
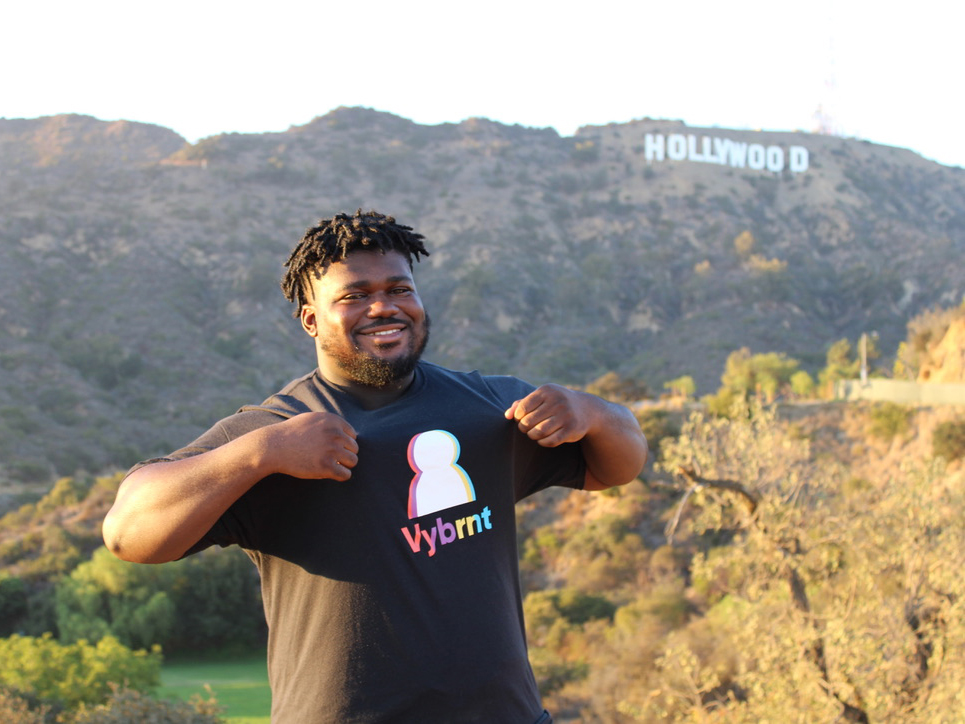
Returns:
(863, 350)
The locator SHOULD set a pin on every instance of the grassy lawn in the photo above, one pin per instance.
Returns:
(239, 684)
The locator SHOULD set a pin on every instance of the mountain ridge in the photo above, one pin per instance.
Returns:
(144, 269)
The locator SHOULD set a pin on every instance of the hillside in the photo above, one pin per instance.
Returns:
(141, 271)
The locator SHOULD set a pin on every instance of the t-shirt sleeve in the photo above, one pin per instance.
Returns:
(536, 467)
(231, 528)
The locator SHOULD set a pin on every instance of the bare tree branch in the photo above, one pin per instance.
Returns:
(751, 498)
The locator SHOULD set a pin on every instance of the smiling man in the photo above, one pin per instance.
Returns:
(376, 497)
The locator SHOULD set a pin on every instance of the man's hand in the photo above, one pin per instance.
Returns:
(613, 445)
(313, 445)
(552, 415)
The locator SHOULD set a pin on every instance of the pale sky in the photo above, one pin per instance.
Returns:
(883, 71)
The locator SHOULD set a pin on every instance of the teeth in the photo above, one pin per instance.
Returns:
(382, 334)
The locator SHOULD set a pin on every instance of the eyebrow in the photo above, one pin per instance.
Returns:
(361, 283)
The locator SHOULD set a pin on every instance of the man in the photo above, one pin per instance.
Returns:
(376, 497)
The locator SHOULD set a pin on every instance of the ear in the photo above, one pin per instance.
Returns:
(308, 319)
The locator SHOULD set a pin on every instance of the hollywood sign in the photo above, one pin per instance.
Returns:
(725, 152)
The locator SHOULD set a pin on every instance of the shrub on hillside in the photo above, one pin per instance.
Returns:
(127, 705)
(948, 440)
(656, 426)
(123, 706)
(15, 708)
(887, 420)
(612, 386)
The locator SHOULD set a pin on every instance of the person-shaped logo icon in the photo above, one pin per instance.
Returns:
(439, 483)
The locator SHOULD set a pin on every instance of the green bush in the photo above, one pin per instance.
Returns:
(721, 404)
(888, 420)
(683, 386)
(74, 674)
(948, 440)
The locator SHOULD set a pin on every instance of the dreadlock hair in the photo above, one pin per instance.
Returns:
(333, 239)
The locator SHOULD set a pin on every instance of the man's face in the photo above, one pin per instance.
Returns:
(367, 319)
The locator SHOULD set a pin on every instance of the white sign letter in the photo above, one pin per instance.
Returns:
(775, 159)
(721, 146)
(738, 154)
(755, 157)
(653, 145)
(798, 158)
(676, 147)
(692, 153)
(709, 156)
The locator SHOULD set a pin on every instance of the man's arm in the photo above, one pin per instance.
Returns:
(614, 447)
(163, 509)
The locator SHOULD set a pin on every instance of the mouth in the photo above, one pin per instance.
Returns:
(384, 333)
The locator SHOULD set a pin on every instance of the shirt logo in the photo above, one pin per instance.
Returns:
(439, 482)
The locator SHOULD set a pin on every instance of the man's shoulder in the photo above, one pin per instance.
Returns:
(298, 396)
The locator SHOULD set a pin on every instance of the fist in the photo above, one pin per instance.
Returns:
(552, 415)
(314, 445)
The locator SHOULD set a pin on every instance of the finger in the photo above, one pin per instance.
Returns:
(541, 429)
(511, 410)
(554, 439)
(529, 405)
(341, 472)
(344, 430)
(348, 459)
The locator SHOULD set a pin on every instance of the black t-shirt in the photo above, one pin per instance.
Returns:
(394, 596)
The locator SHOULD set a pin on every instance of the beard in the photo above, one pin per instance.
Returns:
(370, 371)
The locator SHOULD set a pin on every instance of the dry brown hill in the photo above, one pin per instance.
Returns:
(140, 272)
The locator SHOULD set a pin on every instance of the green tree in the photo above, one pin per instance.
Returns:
(108, 597)
(747, 375)
(841, 364)
(802, 384)
(858, 623)
(208, 600)
(13, 603)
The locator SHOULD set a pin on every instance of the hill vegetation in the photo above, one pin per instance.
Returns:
(140, 272)
(785, 559)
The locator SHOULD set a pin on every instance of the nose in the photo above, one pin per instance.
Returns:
(382, 306)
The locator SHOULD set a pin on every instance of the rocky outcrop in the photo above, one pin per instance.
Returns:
(946, 361)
